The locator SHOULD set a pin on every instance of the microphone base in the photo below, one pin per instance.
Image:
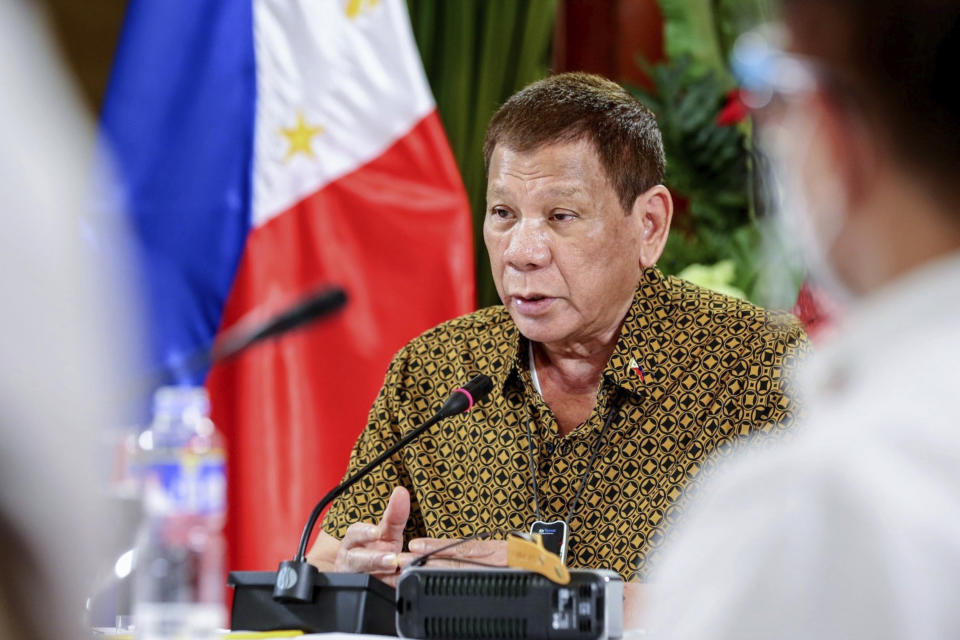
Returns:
(340, 602)
(295, 580)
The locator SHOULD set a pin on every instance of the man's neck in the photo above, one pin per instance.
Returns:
(905, 229)
(575, 367)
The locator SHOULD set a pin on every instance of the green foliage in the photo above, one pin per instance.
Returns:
(708, 169)
(718, 277)
(477, 53)
(691, 33)
(704, 31)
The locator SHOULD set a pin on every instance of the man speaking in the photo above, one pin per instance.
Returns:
(612, 383)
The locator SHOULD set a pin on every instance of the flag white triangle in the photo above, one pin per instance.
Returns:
(337, 84)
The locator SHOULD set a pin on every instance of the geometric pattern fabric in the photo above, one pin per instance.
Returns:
(715, 377)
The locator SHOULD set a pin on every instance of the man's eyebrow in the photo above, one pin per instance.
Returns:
(557, 191)
(565, 191)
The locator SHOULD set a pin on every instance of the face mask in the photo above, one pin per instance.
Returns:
(808, 200)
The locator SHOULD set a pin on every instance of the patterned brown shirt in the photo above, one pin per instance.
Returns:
(712, 372)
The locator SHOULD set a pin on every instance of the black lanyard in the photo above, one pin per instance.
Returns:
(586, 474)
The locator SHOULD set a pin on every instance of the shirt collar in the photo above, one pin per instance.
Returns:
(644, 339)
(637, 363)
(507, 336)
(920, 304)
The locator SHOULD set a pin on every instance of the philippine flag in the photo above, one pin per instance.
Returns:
(266, 147)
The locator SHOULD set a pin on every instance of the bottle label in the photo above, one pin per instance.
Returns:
(164, 620)
(187, 483)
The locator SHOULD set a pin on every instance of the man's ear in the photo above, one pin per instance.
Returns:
(853, 151)
(654, 208)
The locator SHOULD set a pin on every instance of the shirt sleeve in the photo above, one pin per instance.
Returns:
(366, 500)
(791, 348)
(806, 542)
(727, 561)
(771, 403)
(756, 402)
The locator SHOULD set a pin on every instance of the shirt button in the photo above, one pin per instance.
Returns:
(550, 448)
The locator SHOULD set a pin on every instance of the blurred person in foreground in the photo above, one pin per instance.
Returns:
(57, 366)
(852, 529)
(612, 382)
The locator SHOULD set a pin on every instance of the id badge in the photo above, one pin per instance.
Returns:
(554, 535)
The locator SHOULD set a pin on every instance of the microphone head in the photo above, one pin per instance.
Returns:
(308, 309)
(479, 387)
(465, 397)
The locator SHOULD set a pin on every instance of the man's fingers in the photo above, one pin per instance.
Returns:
(360, 533)
(404, 559)
(395, 516)
(361, 560)
(490, 551)
(464, 550)
(353, 554)
(374, 549)
(436, 562)
(428, 545)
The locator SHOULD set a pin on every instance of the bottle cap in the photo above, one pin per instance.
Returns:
(180, 400)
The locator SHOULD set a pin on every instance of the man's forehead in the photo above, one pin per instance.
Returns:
(562, 169)
(496, 187)
(559, 151)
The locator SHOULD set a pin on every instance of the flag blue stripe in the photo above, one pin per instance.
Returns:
(179, 118)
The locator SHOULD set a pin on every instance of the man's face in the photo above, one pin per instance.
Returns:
(564, 254)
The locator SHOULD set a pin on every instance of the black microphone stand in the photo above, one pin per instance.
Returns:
(296, 578)
(343, 604)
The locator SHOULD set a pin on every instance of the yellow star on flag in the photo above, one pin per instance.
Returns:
(354, 7)
(300, 137)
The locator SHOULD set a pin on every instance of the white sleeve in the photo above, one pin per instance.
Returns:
(795, 544)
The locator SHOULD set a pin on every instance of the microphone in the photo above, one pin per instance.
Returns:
(310, 308)
(295, 578)
(465, 397)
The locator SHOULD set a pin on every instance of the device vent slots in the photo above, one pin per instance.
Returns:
(495, 586)
(476, 628)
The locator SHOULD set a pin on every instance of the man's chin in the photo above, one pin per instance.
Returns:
(539, 329)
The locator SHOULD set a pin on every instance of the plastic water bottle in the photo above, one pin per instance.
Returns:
(179, 581)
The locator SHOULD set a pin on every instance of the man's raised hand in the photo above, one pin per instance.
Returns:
(368, 548)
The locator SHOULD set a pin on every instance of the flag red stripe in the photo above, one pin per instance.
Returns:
(396, 233)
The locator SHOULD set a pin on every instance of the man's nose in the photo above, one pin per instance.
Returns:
(528, 248)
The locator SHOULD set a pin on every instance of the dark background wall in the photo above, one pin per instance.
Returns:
(606, 36)
(87, 31)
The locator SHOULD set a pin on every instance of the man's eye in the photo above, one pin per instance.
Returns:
(562, 217)
(499, 212)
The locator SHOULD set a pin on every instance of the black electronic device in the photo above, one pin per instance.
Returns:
(554, 536)
(344, 602)
(508, 604)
